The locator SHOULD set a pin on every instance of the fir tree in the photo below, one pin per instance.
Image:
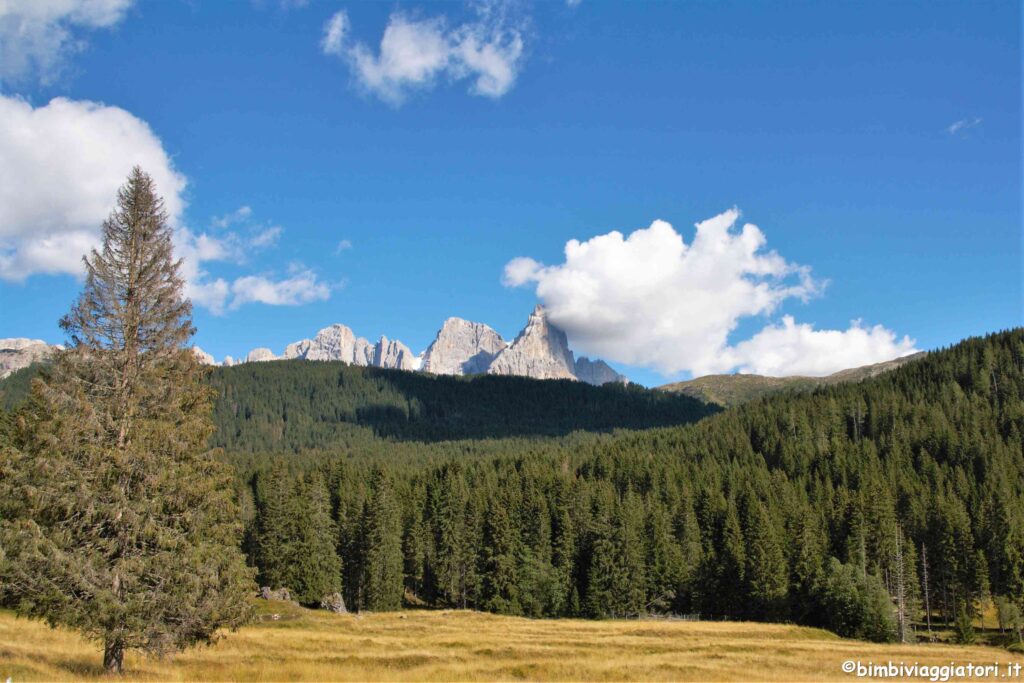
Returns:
(119, 523)
(382, 568)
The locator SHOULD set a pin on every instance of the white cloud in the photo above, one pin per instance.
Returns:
(37, 35)
(651, 299)
(266, 238)
(962, 125)
(798, 349)
(334, 33)
(343, 245)
(301, 288)
(60, 167)
(239, 215)
(415, 54)
(217, 294)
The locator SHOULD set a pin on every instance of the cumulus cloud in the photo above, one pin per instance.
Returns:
(37, 35)
(301, 288)
(60, 167)
(651, 299)
(798, 349)
(415, 54)
(343, 245)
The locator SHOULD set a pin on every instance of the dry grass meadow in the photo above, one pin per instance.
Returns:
(304, 645)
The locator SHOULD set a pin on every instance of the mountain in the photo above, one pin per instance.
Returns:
(339, 343)
(540, 351)
(597, 372)
(462, 348)
(19, 353)
(732, 390)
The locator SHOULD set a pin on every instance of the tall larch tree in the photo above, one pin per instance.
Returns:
(118, 521)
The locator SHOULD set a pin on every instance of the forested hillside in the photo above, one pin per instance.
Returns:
(853, 507)
(296, 405)
(732, 390)
(850, 508)
(290, 406)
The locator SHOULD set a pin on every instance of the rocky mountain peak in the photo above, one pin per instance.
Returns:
(393, 354)
(19, 352)
(541, 351)
(462, 348)
(597, 372)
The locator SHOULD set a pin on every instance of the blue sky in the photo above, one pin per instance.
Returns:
(877, 144)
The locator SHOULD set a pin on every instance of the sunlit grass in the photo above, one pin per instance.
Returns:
(305, 645)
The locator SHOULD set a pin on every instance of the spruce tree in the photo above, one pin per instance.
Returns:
(382, 527)
(118, 521)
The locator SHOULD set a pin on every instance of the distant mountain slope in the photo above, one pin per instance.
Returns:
(732, 390)
(294, 405)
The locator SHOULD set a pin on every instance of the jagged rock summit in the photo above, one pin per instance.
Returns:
(597, 372)
(540, 351)
(338, 342)
(462, 348)
(18, 353)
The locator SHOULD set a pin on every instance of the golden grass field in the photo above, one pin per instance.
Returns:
(308, 645)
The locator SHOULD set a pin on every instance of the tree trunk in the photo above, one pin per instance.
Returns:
(113, 656)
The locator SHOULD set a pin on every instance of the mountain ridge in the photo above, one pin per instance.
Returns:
(732, 390)
(460, 347)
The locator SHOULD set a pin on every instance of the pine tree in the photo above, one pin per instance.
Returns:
(119, 522)
(765, 572)
(382, 566)
(313, 568)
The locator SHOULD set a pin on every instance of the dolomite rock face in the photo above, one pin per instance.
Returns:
(260, 355)
(462, 348)
(339, 342)
(203, 357)
(18, 353)
(363, 353)
(336, 342)
(393, 354)
(597, 372)
(540, 351)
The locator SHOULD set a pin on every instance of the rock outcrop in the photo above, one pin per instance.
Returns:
(597, 372)
(260, 355)
(393, 354)
(339, 342)
(540, 351)
(18, 353)
(462, 348)
(203, 357)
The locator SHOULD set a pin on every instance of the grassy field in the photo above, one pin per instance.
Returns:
(304, 645)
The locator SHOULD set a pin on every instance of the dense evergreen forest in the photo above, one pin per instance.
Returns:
(297, 405)
(853, 507)
(863, 508)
